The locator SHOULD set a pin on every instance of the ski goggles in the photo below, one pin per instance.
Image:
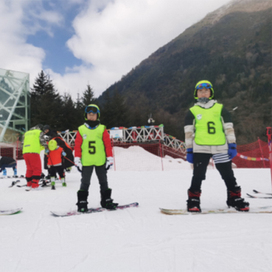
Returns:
(203, 85)
(92, 109)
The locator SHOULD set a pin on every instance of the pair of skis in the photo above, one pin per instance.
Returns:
(255, 194)
(42, 183)
(212, 211)
(64, 214)
(93, 210)
(9, 177)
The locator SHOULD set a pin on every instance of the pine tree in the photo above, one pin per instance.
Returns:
(115, 111)
(88, 97)
(45, 102)
(70, 116)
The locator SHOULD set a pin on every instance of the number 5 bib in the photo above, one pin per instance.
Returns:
(93, 149)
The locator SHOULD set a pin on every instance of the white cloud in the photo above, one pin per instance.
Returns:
(122, 34)
(111, 37)
(15, 53)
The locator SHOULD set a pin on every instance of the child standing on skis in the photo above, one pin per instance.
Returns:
(209, 133)
(54, 162)
(93, 150)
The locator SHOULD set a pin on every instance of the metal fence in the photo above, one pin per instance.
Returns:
(141, 134)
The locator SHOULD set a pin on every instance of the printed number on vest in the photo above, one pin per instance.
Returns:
(92, 149)
(211, 128)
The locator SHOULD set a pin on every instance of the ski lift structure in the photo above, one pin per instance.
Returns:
(14, 105)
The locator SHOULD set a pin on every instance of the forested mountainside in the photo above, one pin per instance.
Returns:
(231, 47)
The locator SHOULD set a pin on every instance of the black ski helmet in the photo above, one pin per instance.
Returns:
(45, 127)
(92, 108)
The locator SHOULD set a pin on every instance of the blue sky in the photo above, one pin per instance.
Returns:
(90, 42)
(58, 55)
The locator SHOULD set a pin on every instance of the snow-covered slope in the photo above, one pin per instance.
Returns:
(136, 239)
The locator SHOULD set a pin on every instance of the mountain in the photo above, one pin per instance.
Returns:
(231, 47)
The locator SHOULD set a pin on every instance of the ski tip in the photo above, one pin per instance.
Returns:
(19, 210)
(11, 211)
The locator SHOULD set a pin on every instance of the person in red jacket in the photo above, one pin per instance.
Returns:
(68, 161)
(93, 150)
(54, 163)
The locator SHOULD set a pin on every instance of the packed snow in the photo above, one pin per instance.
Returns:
(136, 239)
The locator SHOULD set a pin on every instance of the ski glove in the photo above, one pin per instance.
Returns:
(232, 152)
(63, 153)
(109, 163)
(190, 155)
(78, 164)
(46, 151)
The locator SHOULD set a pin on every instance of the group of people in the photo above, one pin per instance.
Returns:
(58, 156)
(209, 133)
(92, 150)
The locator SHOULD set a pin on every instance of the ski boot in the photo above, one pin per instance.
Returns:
(34, 186)
(193, 202)
(53, 187)
(106, 201)
(52, 179)
(28, 182)
(234, 200)
(63, 182)
(5, 172)
(82, 201)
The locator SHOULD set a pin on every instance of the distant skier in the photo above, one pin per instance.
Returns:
(33, 143)
(8, 162)
(209, 133)
(93, 150)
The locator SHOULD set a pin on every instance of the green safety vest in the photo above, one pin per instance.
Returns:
(208, 125)
(92, 148)
(32, 141)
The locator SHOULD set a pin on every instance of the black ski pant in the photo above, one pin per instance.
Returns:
(86, 175)
(53, 170)
(201, 161)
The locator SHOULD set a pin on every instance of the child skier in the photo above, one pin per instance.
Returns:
(93, 150)
(209, 133)
(54, 162)
(68, 161)
(7, 162)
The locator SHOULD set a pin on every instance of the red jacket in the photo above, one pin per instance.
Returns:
(54, 157)
(106, 140)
